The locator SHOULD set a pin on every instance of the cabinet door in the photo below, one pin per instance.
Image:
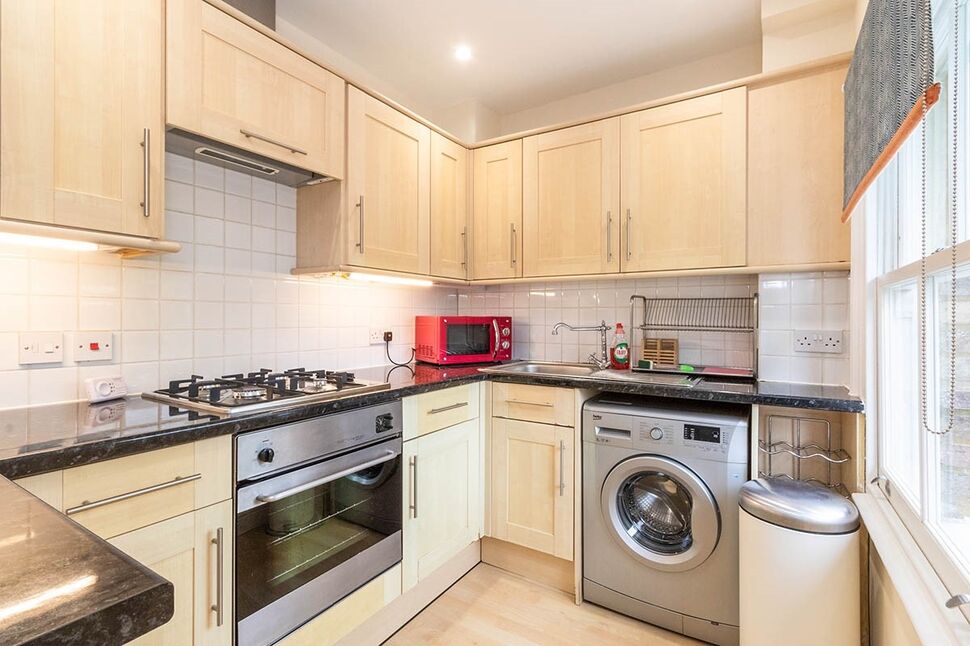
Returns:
(229, 82)
(81, 126)
(684, 184)
(388, 172)
(449, 208)
(571, 200)
(497, 211)
(443, 513)
(795, 165)
(532, 486)
(182, 549)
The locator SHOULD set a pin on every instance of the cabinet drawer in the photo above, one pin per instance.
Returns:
(118, 496)
(543, 404)
(440, 409)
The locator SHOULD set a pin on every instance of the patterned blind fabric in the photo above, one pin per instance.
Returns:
(891, 71)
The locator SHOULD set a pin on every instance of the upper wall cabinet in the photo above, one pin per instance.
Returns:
(497, 211)
(795, 135)
(571, 200)
(229, 82)
(684, 184)
(388, 173)
(81, 124)
(449, 208)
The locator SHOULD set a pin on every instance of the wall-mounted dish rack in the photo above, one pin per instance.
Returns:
(733, 315)
(800, 451)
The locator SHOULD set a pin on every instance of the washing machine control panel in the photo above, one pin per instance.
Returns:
(654, 433)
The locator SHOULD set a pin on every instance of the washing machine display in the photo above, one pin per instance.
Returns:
(698, 433)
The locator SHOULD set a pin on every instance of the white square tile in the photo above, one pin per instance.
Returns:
(51, 385)
(209, 176)
(239, 262)
(208, 343)
(138, 282)
(775, 317)
(139, 314)
(99, 280)
(237, 316)
(179, 197)
(264, 214)
(179, 226)
(208, 316)
(209, 287)
(286, 246)
(238, 289)
(835, 290)
(99, 313)
(179, 168)
(835, 371)
(15, 272)
(264, 263)
(176, 344)
(141, 377)
(776, 342)
(806, 317)
(264, 240)
(286, 196)
(139, 346)
(209, 203)
(263, 290)
(835, 317)
(264, 190)
(805, 291)
(806, 370)
(176, 285)
(239, 209)
(239, 183)
(14, 386)
(53, 277)
(284, 264)
(209, 258)
(52, 313)
(14, 308)
(184, 259)
(209, 231)
(285, 218)
(774, 368)
(239, 236)
(176, 315)
(775, 292)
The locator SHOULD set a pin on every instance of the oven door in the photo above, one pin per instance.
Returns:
(470, 339)
(307, 538)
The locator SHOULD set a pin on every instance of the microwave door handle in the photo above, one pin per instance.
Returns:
(498, 339)
(286, 493)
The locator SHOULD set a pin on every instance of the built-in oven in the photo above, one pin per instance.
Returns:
(318, 514)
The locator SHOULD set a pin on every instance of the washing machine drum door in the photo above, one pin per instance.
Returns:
(661, 512)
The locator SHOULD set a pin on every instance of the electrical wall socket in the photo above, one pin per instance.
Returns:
(377, 336)
(820, 341)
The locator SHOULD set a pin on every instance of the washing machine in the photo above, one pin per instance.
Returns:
(661, 479)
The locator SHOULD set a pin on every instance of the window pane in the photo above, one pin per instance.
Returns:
(899, 426)
(949, 469)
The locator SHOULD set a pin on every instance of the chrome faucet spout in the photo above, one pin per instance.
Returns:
(603, 360)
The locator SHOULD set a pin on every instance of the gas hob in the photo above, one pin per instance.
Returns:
(262, 390)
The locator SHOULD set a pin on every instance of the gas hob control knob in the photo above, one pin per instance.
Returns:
(266, 455)
(656, 433)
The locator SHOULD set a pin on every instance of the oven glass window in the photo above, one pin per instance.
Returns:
(472, 338)
(282, 545)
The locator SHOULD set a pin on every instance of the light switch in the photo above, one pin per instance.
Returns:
(93, 346)
(41, 347)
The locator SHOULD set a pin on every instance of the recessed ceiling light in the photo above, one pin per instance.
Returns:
(463, 53)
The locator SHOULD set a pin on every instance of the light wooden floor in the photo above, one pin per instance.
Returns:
(490, 606)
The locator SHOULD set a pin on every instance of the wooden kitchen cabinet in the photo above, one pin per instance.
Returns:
(497, 211)
(229, 82)
(571, 200)
(795, 168)
(449, 208)
(684, 184)
(388, 187)
(82, 133)
(186, 551)
(532, 480)
(443, 498)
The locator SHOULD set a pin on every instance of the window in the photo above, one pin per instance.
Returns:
(928, 474)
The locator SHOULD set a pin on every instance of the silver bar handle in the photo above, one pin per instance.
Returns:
(512, 237)
(435, 411)
(498, 338)
(464, 245)
(629, 225)
(609, 237)
(413, 504)
(360, 225)
(286, 493)
(146, 144)
(219, 606)
(958, 600)
(519, 401)
(562, 467)
(88, 505)
(255, 135)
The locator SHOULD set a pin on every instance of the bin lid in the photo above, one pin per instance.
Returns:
(803, 506)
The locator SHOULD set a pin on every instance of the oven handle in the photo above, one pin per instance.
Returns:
(274, 497)
(498, 339)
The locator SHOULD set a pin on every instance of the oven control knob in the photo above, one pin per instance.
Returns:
(506, 331)
(385, 423)
(505, 345)
(656, 433)
(266, 455)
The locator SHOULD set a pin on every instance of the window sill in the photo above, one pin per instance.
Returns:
(920, 589)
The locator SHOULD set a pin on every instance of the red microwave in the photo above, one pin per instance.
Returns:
(449, 340)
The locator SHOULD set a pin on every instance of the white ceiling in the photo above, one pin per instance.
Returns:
(526, 52)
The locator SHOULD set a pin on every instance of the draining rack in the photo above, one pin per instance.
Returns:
(800, 451)
(731, 314)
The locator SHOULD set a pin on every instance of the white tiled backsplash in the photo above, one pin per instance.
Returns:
(804, 301)
(226, 303)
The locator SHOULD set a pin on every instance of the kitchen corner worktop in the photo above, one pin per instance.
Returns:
(61, 584)
(38, 439)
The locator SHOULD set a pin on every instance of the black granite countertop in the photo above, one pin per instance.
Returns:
(46, 438)
(61, 584)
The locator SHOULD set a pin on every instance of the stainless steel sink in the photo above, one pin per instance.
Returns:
(589, 371)
(545, 368)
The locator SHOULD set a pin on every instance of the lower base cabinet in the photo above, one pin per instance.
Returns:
(442, 498)
(532, 478)
(193, 551)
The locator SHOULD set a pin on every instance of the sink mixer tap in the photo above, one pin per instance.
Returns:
(603, 361)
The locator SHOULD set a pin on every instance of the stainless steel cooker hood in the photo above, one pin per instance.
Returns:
(192, 145)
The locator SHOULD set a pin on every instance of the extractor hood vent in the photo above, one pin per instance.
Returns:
(189, 144)
(229, 158)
